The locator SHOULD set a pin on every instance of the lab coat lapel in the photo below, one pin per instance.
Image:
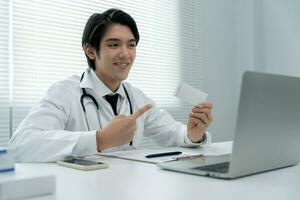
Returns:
(91, 114)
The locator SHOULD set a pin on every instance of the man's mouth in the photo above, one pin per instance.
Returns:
(122, 65)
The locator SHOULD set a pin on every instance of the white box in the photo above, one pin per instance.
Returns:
(13, 186)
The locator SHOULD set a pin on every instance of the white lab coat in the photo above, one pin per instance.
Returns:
(57, 127)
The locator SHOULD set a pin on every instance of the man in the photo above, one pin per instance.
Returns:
(98, 112)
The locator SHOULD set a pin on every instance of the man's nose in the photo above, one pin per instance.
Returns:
(124, 52)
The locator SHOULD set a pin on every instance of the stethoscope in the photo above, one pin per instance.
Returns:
(96, 105)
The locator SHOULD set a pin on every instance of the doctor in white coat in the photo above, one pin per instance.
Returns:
(98, 111)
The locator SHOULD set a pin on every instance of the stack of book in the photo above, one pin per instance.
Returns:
(7, 162)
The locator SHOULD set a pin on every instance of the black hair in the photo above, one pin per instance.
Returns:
(97, 25)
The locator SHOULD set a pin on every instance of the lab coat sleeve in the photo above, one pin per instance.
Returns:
(41, 136)
(163, 129)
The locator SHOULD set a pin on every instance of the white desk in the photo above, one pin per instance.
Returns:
(136, 180)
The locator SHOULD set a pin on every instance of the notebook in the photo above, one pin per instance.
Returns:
(267, 133)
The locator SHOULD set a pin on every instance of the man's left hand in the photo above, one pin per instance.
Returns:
(199, 120)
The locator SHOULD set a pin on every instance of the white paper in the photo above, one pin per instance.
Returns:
(190, 94)
(139, 155)
(214, 149)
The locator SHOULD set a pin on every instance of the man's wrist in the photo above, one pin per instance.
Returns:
(101, 141)
(203, 139)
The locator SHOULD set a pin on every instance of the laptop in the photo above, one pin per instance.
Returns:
(267, 132)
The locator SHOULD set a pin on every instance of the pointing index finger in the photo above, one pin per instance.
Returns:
(141, 111)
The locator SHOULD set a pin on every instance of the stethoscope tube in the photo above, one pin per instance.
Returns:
(87, 95)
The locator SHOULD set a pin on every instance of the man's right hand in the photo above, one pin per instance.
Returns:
(120, 130)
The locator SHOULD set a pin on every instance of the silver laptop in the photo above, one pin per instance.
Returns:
(267, 134)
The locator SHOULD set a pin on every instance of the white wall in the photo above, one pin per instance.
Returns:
(219, 52)
(268, 36)
(280, 35)
(240, 35)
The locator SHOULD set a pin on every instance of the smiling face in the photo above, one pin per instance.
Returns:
(116, 55)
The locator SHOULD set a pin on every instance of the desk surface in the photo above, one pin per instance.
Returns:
(132, 180)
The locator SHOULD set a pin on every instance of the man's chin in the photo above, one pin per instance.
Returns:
(122, 77)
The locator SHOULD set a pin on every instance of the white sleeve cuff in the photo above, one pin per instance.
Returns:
(206, 142)
(86, 144)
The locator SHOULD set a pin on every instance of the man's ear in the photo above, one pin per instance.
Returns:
(90, 52)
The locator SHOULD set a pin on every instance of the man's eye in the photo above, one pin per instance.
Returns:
(132, 45)
(113, 45)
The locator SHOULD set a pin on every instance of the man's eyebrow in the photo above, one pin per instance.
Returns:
(118, 40)
(132, 40)
(112, 40)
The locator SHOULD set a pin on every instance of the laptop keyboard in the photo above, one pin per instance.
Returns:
(220, 167)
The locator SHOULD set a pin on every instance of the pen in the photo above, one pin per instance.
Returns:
(172, 153)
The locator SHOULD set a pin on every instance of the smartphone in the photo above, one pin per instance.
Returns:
(82, 164)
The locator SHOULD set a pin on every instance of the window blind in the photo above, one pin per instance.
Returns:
(4, 72)
(47, 48)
